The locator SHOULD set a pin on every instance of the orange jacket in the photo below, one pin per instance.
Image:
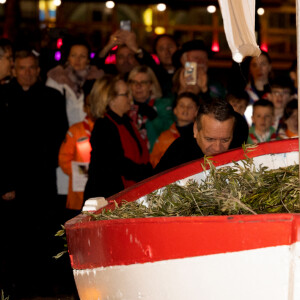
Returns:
(163, 142)
(75, 147)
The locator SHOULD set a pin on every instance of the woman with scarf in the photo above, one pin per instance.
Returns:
(151, 113)
(69, 81)
(119, 156)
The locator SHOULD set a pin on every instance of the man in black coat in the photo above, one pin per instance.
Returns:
(38, 123)
(217, 128)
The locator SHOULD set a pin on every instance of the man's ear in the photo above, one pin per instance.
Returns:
(195, 129)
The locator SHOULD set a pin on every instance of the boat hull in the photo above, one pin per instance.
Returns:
(216, 257)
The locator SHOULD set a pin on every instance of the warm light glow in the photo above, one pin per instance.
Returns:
(2, 1)
(110, 4)
(159, 30)
(215, 47)
(148, 28)
(211, 9)
(264, 47)
(161, 7)
(57, 2)
(57, 55)
(42, 5)
(147, 17)
(110, 59)
(154, 56)
(238, 57)
(260, 11)
(59, 43)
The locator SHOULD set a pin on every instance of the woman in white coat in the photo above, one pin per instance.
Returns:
(69, 80)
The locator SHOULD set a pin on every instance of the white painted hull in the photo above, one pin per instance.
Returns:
(234, 257)
(256, 274)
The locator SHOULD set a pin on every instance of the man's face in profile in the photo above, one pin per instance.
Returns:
(214, 136)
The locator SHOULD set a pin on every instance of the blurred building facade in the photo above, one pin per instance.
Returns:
(41, 23)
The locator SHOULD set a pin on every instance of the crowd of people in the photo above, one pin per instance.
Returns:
(92, 129)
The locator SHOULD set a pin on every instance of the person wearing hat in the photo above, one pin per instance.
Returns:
(196, 51)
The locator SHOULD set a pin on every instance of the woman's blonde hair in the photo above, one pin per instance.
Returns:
(103, 91)
(156, 90)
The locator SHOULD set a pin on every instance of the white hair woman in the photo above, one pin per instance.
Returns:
(151, 113)
(119, 156)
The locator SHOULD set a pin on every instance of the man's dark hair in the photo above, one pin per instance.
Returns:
(24, 53)
(190, 95)
(220, 109)
(289, 109)
(264, 103)
(282, 82)
(171, 37)
(238, 95)
(5, 45)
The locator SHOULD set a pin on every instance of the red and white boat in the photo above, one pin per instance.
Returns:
(224, 257)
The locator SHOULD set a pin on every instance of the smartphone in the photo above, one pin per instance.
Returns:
(190, 73)
(125, 25)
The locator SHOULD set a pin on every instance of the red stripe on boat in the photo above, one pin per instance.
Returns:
(95, 244)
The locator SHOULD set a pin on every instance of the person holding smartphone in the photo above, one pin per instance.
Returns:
(195, 51)
(128, 53)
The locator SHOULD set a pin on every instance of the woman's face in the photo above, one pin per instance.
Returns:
(121, 103)
(260, 68)
(78, 57)
(140, 86)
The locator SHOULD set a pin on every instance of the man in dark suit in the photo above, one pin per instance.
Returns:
(37, 123)
(217, 128)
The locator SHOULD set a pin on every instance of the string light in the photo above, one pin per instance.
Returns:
(57, 2)
(110, 4)
(161, 7)
(211, 9)
(260, 11)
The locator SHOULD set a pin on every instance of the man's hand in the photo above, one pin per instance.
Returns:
(129, 39)
(115, 39)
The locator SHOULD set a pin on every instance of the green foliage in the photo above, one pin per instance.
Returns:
(239, 189)
(3, 297)
(62, 234)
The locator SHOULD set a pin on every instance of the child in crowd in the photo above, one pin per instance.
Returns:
(185, 110)
(74, 157)
(262, 118)
(239, 100)
(289, 126)
(281, 90)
